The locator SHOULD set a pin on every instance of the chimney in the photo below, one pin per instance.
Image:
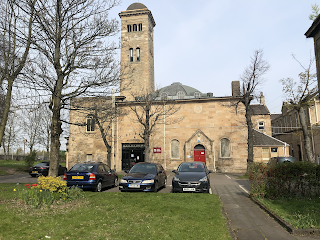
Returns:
(235, 85)
(262, 101)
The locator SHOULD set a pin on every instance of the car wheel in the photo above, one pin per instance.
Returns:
(155, 187)
(98, 187)
(115, 183)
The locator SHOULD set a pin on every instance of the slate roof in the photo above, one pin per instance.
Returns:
(274, 116)
(261, 139)
(259, 109)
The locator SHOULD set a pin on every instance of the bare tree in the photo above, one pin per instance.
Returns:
(45, 127)
(11, 134)
(16, 19)
(149, 110)
(300, 97)
(74, 56)
(251, 78)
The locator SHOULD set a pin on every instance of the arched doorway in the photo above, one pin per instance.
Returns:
(199, 153)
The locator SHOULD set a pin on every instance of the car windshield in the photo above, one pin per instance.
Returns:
(42, 164)
(82, 168)
(191, 167)
(143, 168)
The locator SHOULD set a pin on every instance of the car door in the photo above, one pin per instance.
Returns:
(109, 176)
(102, 174)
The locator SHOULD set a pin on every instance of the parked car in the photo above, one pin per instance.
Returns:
(276, 160)
(91, 175)
(191, 177)
(42, 169)
(147, 177)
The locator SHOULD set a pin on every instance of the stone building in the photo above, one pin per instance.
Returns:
(286, 127)
(205, 128)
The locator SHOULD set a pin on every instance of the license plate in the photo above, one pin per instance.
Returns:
(77, 177)
(34, 171)
(189, 189)
(134, 186)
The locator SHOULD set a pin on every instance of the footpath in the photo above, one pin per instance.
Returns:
(246, 220)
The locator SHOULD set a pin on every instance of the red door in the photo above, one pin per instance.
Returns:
(200, 155)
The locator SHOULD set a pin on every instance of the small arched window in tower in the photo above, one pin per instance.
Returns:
(131, 54)
(134, 27)
(138, 54)
(197, 95)
(175, 149)
(129, 28)
(140, 27)
(180, 95)
(225, 148)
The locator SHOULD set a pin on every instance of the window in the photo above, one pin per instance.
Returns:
(180, 95)
(131, 55)
(175, 149)
(129, 28)
(265, 154)
(296, 117)
(261, 126)
(164, 96)
(90, 124)
(134, 27)
(138, 54)
(89, 157)
(225, 148)
(140, 27)
(197, 95)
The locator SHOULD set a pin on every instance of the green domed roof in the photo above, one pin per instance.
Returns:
(135, 6)
(176, 87)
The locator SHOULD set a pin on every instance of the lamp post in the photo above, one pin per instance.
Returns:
(24, 146)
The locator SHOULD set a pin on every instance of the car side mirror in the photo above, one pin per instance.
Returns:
(126, 171)
(160, 171)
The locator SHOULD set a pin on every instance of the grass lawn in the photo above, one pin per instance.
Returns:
(114, 216)
(300, 213)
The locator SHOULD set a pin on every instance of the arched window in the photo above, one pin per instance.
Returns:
(131, 55)
(180, 95)
(138, 54)
(225, 148)
(175, 149)
(140, 27)
(134, 27)
(164, 96)
(90, 124)
(129, 28)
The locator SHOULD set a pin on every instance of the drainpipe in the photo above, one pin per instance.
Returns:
(164, 136)
(214, 158)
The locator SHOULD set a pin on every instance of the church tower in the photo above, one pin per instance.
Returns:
(137, 56)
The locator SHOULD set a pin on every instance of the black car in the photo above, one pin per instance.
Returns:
(191, 177)
(42, 169)
(147, 177)
(91, 175)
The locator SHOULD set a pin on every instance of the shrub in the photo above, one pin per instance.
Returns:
(31, 158)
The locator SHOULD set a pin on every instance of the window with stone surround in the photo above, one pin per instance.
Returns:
(134, 27)
(175, 149)
(261, 126)
(140, 27)
(90, 124)
(225, 148)
(138, 54)
(129, 28)
(131, 54)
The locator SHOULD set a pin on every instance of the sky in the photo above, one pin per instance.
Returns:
(207, 44)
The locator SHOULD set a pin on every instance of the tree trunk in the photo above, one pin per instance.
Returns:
(6, 109)
(104, 138)
(306, 136)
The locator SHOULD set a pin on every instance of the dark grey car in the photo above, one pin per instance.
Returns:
(191, 177)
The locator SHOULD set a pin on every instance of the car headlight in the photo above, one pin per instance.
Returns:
(123, 181)
(148, 181)
(175, 178)
(204, 179)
